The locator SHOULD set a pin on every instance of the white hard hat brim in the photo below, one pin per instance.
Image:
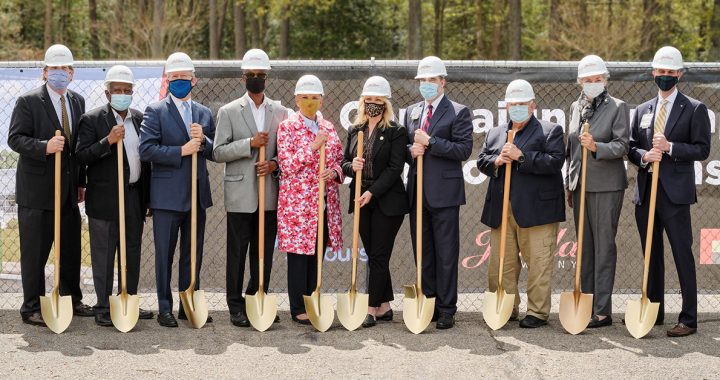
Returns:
(118, 81)
(254, 67)
(309, 92)
(191, 69)
(597, 72)
(423, 76)
(375, 93)
(518, 100)
(58, 64)
(666, 67)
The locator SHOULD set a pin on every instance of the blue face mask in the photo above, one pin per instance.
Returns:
(120, 102)
(519, 113)
(428, 90)
(58, 79)
(180, 88)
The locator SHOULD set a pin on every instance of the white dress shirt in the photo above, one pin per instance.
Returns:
(258, 113)
(435, 104)
(55, 98)
(131, 141)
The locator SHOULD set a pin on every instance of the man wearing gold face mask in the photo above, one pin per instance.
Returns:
(299, 140)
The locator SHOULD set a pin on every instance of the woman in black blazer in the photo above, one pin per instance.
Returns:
(382, 200)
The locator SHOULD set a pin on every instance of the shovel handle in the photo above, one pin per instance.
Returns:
(504, 219)
(321, 219)
(581, 214)
(356, 215)
(56, 217)
(261, 225)
(650, 226)
(193, 222)
(121, 217)
(418, 224)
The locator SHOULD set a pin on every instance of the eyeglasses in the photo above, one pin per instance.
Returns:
(255, 75)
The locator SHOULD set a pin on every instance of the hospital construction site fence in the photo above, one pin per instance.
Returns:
(478, 84)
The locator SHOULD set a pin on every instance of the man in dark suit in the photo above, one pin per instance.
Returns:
(441, 131)
(98, 133)
(172, 130)
(38, 114)
(675, 130)
(537, 155)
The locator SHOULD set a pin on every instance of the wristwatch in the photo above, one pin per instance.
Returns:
(432, 141)
(521, 159)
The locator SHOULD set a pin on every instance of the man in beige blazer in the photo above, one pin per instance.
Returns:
(243, 126)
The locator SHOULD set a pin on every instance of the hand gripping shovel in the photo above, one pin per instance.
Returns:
(56, 310)
(498, 305)
(319, 307)
(640, 315)
(261, 308)
(194, 300)
(417, 308)
(124, 308)
(352, 306)
(576, 307)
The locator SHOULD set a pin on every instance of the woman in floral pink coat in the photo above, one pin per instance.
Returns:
(299, 140)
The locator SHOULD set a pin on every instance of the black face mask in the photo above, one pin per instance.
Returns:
(255, 85)
(374, 109)
(666, 82)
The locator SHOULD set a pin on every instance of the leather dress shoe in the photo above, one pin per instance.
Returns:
(34, 319)
(595, 322)
(146, 314)
(387, 317)
(182, 316)
(167, 320)
(82, 310)
(239, 319)
(301, 321)
(681, 330)
(369, 321)
(103, 319)
(531, 322)
(445, 321)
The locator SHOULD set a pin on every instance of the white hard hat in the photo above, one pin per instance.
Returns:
(519, 91)
(431, 67)
(591, 65)
(179, 62)
(255, 59)
(119, 73)
(668, 58)
(309, 84)
(58, 55)
(376, 86)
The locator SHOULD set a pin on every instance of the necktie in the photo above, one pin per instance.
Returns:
(65, 120)
(187, 116)
(426, 125)
(660, 119)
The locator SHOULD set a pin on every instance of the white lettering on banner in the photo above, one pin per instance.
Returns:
(485, 117)
(713, 170)
(345, 114)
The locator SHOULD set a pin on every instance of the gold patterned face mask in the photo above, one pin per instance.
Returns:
(309, 107)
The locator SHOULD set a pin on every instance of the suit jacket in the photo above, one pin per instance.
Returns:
(610, 129)
(162, 135)
(688, 128)
(536, 185)
(34, 122)
(443, 181)
(389, 150)
(235, 127)
(100, 158)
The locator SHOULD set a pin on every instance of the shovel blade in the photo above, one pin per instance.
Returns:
(640, 317)
(497, 308)
(417, 309)
(319, 309)
(195, 307)
(261, 310)
(575, 311)
(352, 309)
(57, 311)
(124, 311)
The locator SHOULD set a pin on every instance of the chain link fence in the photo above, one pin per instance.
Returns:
(479, 85)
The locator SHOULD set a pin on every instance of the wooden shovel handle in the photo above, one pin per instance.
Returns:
(503, 220)
(193, 222)
(581, 214)
(121, 217)
(356, 215)
(650, 226)
(261, 224)
(418, 224)
(321, 219)
(56, 217)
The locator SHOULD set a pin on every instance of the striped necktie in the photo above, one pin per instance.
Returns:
(65, 120)
(661, 116)
(426, 125)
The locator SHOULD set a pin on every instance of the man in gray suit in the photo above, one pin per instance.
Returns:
(606, 180)
(243, 126)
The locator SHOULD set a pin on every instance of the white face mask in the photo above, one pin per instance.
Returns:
(593, 90)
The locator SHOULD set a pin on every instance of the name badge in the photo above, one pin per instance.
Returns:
(646, 120)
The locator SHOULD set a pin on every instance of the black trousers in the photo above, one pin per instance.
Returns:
(441, 250)
(242, 231)
(166, 226)
(675, 220)
(302, 276)
(378, 232)
(105, 248)
(36, 239)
